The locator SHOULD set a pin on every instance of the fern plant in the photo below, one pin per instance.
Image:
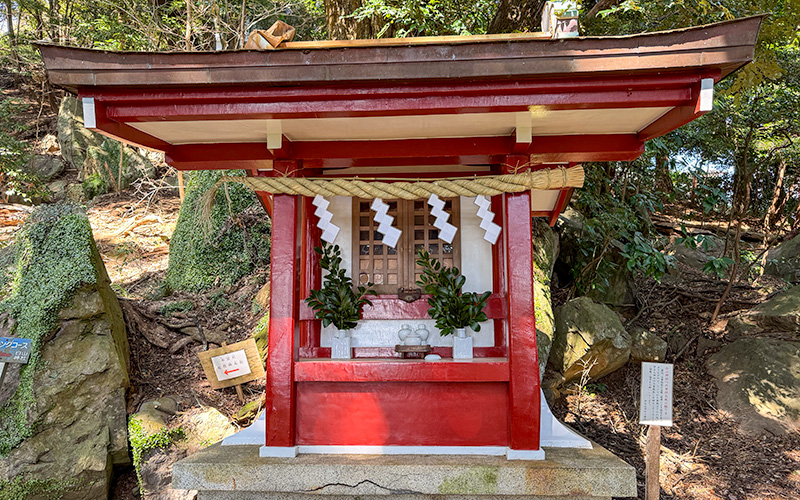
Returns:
(451, 308)
(337, 302)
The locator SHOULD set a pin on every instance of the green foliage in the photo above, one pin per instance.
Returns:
(177, 306)
(641, 256)
(718, 266)
(614, 230)
(15, 180)
(55, 251)
(238, 241)
(451, 308)
(141, 443)
(337, 302)
(693, 242)
(404, 18)
(21, 488)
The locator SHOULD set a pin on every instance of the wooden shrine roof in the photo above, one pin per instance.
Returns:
(724, 47)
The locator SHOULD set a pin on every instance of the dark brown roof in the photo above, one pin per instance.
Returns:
(724, 46)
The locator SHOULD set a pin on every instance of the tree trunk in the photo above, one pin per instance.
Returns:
(663, 180)
(188, 36)
(771, 211)
(515, 15)
(242, 34)
(600, 6)
(341, 27)
(769, 220)
(12, 41)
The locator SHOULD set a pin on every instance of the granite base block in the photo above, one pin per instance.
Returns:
(228, 472)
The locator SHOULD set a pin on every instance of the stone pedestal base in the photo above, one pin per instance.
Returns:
(237, 472)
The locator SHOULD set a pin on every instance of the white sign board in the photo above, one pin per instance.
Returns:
(656, 394)
(231, 365)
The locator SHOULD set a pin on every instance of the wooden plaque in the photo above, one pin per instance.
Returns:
(253, 360)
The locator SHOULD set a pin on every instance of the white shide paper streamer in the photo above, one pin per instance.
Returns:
(492, 230)
(391, 235)
(329, 230)
(447, 231)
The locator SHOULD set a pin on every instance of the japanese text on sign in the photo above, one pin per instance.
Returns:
(656, 394)
(13, 350)
(231, 365)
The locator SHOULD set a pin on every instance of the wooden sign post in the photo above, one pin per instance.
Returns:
(232, 365)
(655, 411)
(13, 350)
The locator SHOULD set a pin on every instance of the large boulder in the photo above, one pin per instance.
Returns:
(783, 261)
(759, 384)
(46, 167)
(589, 337)
(199, 429)
(711, 247)
(781, 313)
(97, 158)
(616, 286)
(647, 346)
(238, 240)
(545, 251)
(62, 415)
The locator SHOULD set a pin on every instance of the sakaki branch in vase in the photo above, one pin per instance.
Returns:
(338, 302)
(453, 309)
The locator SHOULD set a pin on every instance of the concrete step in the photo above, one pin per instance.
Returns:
(237, 472)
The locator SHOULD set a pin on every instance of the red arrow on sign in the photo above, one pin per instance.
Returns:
(231, 371)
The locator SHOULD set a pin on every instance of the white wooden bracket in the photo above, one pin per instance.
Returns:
(523, 130)
(274, 134)
(89, 117)
(706, 102)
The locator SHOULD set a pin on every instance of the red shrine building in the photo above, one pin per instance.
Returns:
(414, 110)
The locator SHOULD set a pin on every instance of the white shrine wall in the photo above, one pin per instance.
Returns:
(476, 266)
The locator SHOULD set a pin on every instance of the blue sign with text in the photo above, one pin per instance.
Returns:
(14, 350)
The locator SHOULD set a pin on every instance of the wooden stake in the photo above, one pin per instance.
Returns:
(180, 184)
(652, 460)
(240, 393)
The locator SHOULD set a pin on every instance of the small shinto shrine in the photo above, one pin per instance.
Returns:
(340, 121)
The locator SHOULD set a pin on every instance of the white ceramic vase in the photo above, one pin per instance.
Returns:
(462, 344)
(342, 345)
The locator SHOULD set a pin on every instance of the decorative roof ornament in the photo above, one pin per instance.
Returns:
(560, 18)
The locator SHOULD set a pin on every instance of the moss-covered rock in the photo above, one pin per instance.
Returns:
(759, 384)
(589, 337)
(545, 251)
(95, 156)
(261, 335)
(238, 240)
(68, 401)
(783, 261)
(781, 313)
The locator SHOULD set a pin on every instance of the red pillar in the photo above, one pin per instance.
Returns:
(280, 396)
(310, 274)
(523, 359)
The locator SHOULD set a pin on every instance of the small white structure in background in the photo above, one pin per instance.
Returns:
(329, 230)
(391, 234)
(561, 18)
(447, 231)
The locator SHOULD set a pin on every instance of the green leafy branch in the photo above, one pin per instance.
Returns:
(450, 307)
(337, 302)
